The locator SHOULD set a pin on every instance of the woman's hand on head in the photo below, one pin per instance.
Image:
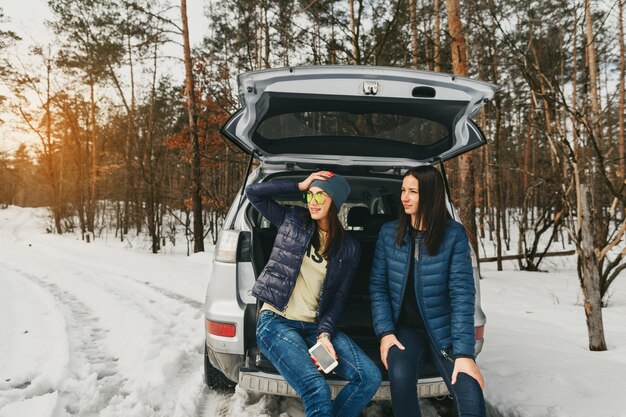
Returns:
(319, 175)
(469, 367)
(385, 344)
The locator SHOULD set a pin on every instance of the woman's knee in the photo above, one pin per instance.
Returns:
(373, 378)
(469, 396)
(401, 366)
(363, 367)
(371, 372)
(314, 387)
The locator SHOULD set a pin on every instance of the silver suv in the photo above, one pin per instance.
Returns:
(368, 124)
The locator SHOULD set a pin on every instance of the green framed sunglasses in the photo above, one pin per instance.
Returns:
(320, 197)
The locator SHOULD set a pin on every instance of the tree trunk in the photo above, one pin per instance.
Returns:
(91, 205)
(266, 36)
(457, 46)
(592, 62)
(466, 167)
(596, 134)
(333, 40)
(622, 74)
(500, 205)
(437, 37)
(130, 139)
(56, 194)
(484, 157)
(355, 23)
(196, 198)
(413, 23)
(489, 199)
(527, 149)
(150, 177)
(590, 279)
(575, 88)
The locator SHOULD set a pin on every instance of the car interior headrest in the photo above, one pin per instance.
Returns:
(358, 216)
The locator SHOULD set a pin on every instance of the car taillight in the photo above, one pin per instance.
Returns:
(220, 329)
(479, 332)
(226, 248)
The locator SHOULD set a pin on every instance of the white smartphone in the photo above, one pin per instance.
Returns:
(323, 357)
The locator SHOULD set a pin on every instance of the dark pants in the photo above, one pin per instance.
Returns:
(404, 373)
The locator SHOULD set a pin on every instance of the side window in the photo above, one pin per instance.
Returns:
(381, 205)
(378, 206)
(265, 224)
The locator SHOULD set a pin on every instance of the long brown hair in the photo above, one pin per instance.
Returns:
(432, 212)
(334, 236)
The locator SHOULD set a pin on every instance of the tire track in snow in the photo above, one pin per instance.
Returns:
(95, 382)
(75, 258)
(170, 294)
(174, 320)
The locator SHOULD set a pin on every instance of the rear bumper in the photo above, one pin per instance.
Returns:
(266, 383)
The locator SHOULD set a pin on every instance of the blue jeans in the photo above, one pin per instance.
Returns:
(404, 372)
(286, 344)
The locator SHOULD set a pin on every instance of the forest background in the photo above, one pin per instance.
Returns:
(125, 146)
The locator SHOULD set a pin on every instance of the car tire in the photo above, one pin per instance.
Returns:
(214, 378)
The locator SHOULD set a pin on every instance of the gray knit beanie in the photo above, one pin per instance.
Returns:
(336, 187)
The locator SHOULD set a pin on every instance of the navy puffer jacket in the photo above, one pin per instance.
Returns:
(444, 287)
(295, 231)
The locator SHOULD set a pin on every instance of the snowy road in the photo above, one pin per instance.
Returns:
(98, 330)
(101, 330)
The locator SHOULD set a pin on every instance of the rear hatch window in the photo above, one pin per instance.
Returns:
(398, 128)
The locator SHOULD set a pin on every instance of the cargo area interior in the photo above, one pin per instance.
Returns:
(372, 202)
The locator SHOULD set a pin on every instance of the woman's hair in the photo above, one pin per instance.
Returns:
(432, 212)
(334, 235)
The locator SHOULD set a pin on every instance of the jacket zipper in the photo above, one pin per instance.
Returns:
(445, 355)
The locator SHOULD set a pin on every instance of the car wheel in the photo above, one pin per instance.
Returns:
(214, 378)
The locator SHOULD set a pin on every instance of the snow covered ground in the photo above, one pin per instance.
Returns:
(100, 330)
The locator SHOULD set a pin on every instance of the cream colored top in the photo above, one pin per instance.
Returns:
(302, 304)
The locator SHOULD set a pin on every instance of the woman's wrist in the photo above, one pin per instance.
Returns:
(323, 335)
(385, 334)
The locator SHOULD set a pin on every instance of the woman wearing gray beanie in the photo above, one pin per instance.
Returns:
(304, 287)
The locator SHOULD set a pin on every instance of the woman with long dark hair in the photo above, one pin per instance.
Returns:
(304, 288)
(423, 296)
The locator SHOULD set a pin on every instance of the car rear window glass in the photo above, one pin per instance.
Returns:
(373, 126)
(401, 128)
